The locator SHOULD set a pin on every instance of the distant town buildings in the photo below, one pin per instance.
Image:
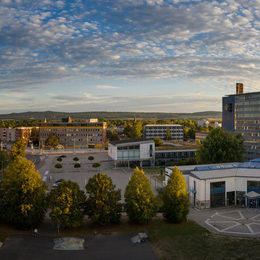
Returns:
(90, 134)
(10, 135)
(160, 131)
(241, 114)
(203, 122)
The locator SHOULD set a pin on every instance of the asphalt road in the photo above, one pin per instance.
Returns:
(105, 247)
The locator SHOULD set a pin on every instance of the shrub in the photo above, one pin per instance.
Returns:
(176, 198)
(102, 205)
(96, 165)
(91, 158)
(58, 165)
(77, 165)
(59, 159)
(140, 204)
(75, 159)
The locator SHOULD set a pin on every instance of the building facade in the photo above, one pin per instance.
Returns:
(241, 114)
(160, 131)
(74, 134)
(166, 157)
(220, 185)
(135, 152)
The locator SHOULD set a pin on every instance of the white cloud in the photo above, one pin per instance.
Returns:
(106, 87)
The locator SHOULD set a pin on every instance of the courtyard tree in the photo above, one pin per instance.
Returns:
(18, 148)
(176, 198)
(66, 202)
(52, 141)
(22, 195)
(221, 146)
(4, 159)
(103, 202)
(140, 203)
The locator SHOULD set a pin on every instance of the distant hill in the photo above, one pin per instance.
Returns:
(51, 115)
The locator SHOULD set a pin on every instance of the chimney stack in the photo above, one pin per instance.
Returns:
(239, 88)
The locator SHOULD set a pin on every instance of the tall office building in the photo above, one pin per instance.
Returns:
(241, 114)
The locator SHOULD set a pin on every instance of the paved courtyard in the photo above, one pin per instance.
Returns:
(119, 176)
(238, 222)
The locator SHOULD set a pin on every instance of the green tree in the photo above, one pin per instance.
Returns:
(140, 203)
(168, 134)
(102, 205)
(67, 204)
(18, 148)
(136, 130)
(4, 159)
(176, 198)
(112, 135)
(52, 141)
(35, 136)
(221, 146)
(157, 141)
(22, 195)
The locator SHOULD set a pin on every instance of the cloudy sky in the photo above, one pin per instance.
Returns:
(126, 55)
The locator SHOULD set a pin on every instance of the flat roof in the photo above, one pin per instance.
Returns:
(225, 173)
(164, 125)
(243, 94)
(131, 141)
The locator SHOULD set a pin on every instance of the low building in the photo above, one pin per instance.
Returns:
(74, 134)
(166, 157)
(133, 152)
(202, 135)
(160, 131)
(220, 184)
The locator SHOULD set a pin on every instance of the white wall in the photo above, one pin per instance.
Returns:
(112, 151)
(145, 150)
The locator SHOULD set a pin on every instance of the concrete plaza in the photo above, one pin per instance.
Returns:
(231, 221)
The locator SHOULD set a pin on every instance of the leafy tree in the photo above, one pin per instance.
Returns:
(35, 136)
(176, 198)
(102, 205)
(58, 165)
(137, 129)
(168, 134)
(22, 195)
(140, 203)
(221, 146)
(157, 141)
(66, 202)
(18, 148)
(52, 141)
(4, 159)
(112, 135)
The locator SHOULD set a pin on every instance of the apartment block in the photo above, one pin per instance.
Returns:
(152, 131)
(90, 134)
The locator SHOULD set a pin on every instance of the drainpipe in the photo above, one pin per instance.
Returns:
(205, 193)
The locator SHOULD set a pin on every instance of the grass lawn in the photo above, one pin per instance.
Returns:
(170, 241)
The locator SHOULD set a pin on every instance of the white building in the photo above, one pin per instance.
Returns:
(220, 184)
(203, 122)
(132, 152)
(160, 131)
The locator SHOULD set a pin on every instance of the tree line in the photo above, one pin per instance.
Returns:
(24, 199)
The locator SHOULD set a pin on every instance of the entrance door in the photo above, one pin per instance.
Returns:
(217, 194)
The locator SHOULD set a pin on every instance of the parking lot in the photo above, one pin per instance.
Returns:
(119, 176)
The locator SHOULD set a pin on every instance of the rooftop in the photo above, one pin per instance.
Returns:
(140, 140)
(164, 125)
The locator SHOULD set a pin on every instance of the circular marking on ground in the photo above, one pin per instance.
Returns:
(238, 222)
